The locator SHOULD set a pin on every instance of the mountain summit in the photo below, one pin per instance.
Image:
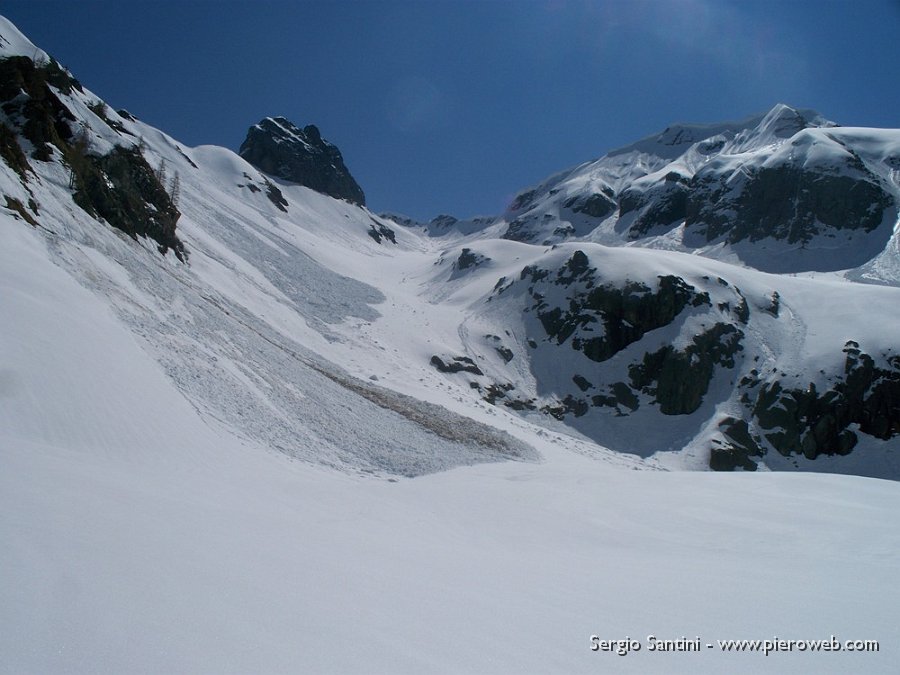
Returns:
(784, 191)
(278, 147)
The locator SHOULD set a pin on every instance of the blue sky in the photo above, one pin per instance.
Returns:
(454, 106)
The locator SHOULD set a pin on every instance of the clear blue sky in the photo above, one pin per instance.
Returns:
(454, 106)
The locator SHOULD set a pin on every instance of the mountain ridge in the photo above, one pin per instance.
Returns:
(593, 333)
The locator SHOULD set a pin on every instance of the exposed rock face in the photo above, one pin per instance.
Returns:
(120, 186)
(39, 115)
(577, 307)
(679, 379)
(596, 205)
(455, 364)
(625, 314)
(279, 148)
(662, 204)
(787, 202)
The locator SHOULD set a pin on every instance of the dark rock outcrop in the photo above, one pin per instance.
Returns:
(32, 107)
(796, 421)
(596, 204)
(119, 187)
(625, 313)
(379, 231)
(123, 189)
(455, 364)
(279, 148)
(679, 379)
(785, 202)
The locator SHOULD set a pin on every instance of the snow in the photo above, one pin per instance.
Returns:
(137, 538)
(245, 463)
(14, 43)
(217, 557)
(143, 536)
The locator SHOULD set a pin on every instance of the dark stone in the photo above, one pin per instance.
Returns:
(742, 309)
(278, 148)
(581, 382)
(442, 222)
(14, 204)
(774, 305)
(523, 200)
(119, 187)
(40, 115)
(805, 421)
(682, 378)
(456, 364)
(729, 458)
(505, 353)
(11, 152)
(275, 196)
(575, 406)
(625, 396)
(520, 404)
(785, 202)
(123, 189)
(497, 391)
(662, 204)
(738, 449)
(379, 231)
(627, 313)
(520, 230)
(468, 258)
(596, 205)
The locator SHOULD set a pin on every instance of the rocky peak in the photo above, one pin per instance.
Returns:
(279, 148)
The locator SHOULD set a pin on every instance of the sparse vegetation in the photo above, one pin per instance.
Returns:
(12, 153)
(15, 205)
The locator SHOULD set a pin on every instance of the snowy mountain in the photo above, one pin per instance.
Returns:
(651, 347)
(787, 191)
(248, 425)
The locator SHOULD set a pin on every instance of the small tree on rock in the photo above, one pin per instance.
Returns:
(176, 189)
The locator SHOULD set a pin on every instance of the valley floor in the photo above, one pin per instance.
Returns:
(221, 558)
(139, 536)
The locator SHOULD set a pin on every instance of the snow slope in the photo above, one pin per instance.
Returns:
(245, 463)
(132, 545)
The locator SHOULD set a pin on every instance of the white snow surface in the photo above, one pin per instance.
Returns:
(140, 538)
(245, 463)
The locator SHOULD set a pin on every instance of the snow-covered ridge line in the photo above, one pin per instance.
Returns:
(484, 318)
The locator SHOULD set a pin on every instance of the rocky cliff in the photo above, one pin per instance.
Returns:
(279, 148)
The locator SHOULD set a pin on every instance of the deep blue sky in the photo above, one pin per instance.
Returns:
(453, 107)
